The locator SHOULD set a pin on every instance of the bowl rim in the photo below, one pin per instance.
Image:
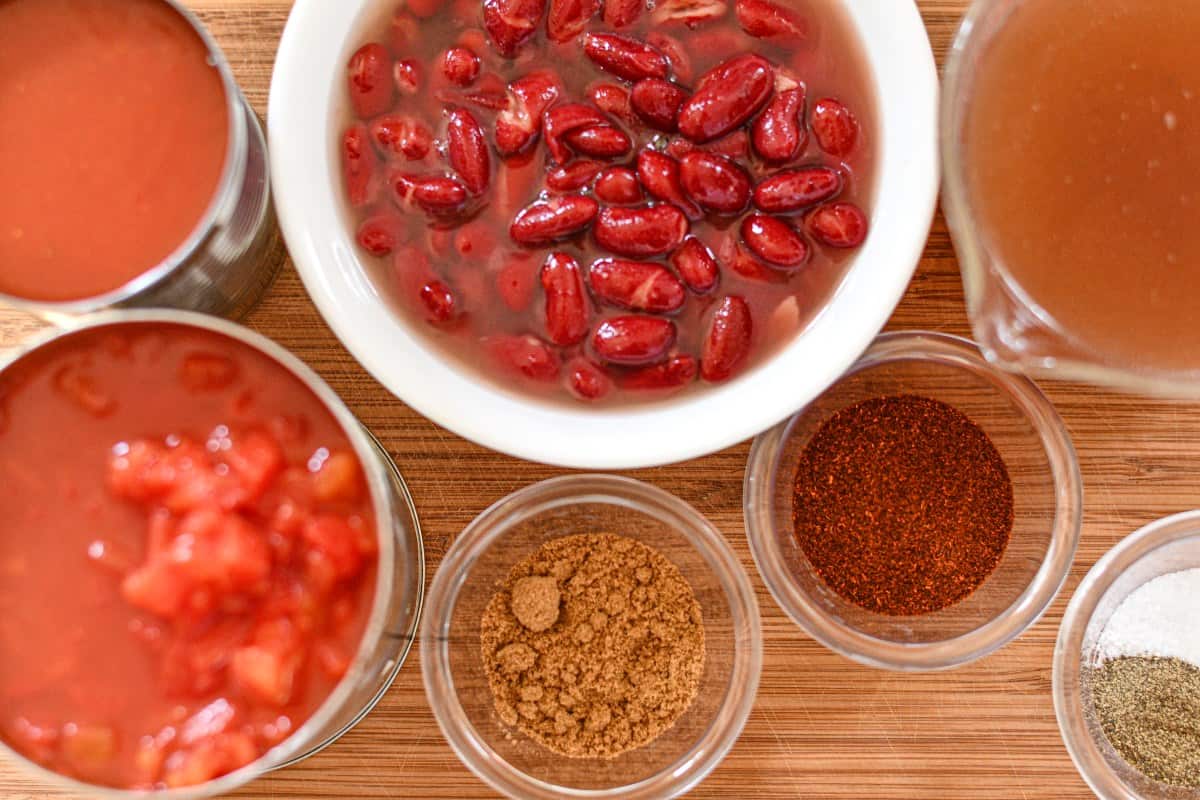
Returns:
(1083, 748)
(1011, 622)
(314, 45)
(474, 752)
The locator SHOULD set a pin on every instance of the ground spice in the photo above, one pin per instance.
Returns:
(1149, 708)
(902, 504)
(593, 646)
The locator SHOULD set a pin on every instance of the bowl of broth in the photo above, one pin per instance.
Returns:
(532, 219)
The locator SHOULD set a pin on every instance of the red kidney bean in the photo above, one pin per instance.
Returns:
(600, 141)
(779, 134)
(838, 225)
(424, 8)
(475, 241)
(774, 241)
(834, 126)
(587, 381)
(561, 120)
(625, 57)
(659, 174)
(753, 268)
(439, 302)
(380, 233)
(566, 300)
(764, 19)
(520, 122)
(439, 196)
(401, 32)
(460, 65)
(633, 340)
(568, 18)
(618, 186)
(796, 189)
(510, 23)
(401, 136)
(515, 280)
(671, 374)
(550, 220)
(728, 341)
(467, 150)
(407, 74)
(727, 96)
(636, 285)
(621, 13)
(640, 232)
(370, 80)
(716, 183)
(676, 53)
(692, 13)
(696, 265)
(360, 167)
(657, 103)
(613, 99)
(526, 354)
(574, 176)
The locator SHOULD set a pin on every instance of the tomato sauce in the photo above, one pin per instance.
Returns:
(113, 133)
(187, 555)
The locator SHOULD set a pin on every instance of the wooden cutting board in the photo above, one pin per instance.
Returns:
(823, 727)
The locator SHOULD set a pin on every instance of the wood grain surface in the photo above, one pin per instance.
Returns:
(822, 727)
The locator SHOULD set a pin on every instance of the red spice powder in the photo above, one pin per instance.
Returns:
(902, 504)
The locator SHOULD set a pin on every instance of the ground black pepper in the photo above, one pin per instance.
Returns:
(902, 504)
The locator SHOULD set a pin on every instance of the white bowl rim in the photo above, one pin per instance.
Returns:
(315, 45)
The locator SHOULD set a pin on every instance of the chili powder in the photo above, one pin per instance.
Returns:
(902, 504)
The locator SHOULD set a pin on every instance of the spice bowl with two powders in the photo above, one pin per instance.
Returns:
(921, 513)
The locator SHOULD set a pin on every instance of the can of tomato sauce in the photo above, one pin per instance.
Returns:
(208, 568)
(133, 172)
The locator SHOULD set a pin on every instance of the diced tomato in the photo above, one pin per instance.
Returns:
(208, 759)
(332, 660)
(34, 740)
(195, 661)
(264, 674)
(220, 550)
(83, 390)
(88, 748)
(257, 460)
(339, 480)
(156, 588)
(207, 372)
(334, 551)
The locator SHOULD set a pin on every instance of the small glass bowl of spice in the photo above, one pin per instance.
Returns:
(921, 513)
(591, 636)
(1127, 666)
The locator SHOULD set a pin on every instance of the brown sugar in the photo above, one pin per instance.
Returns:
(593, 646)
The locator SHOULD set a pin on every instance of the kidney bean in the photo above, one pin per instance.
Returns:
(636, 285)
(526, 354)
(774, 241)
(521, 121)
(659, 174)
(401, 136)
(516, 279)
(716, 183)
(439, 196)
(587, 381)
(460, 65)
(692, 13)
(370, 80)
(600, 141)
(640, 232)
(618, 186)
(676, 53)
(613, 99)
(621, 13)
(779, 133)
(424, 9)
(439, 301)
(696, 265)
(834, 126)
(838, 225)
(753, 268)
(727, 96)
(671, 374)
(625, 56)
(475, 241)
(401, 31)
(467, 150)
(633, 340)
(728, 341)
(561, 120)
(510, 23)
(796, 189)
(657, 103)
(764, 19)
(360, 167)
(568, 18)
(547, 221)
(407, 74)
(573, 176)
(380, 233)
(566, 300)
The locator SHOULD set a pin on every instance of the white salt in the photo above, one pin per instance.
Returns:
(1159, 618)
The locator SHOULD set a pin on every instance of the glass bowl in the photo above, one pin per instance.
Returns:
(481, 559)
(1168, 545)
(1047, 492)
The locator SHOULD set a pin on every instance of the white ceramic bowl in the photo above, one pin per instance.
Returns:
(306, 95)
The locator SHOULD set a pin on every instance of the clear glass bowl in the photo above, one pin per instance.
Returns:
(1168, 545)
(1047, 492)
(481, 559)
